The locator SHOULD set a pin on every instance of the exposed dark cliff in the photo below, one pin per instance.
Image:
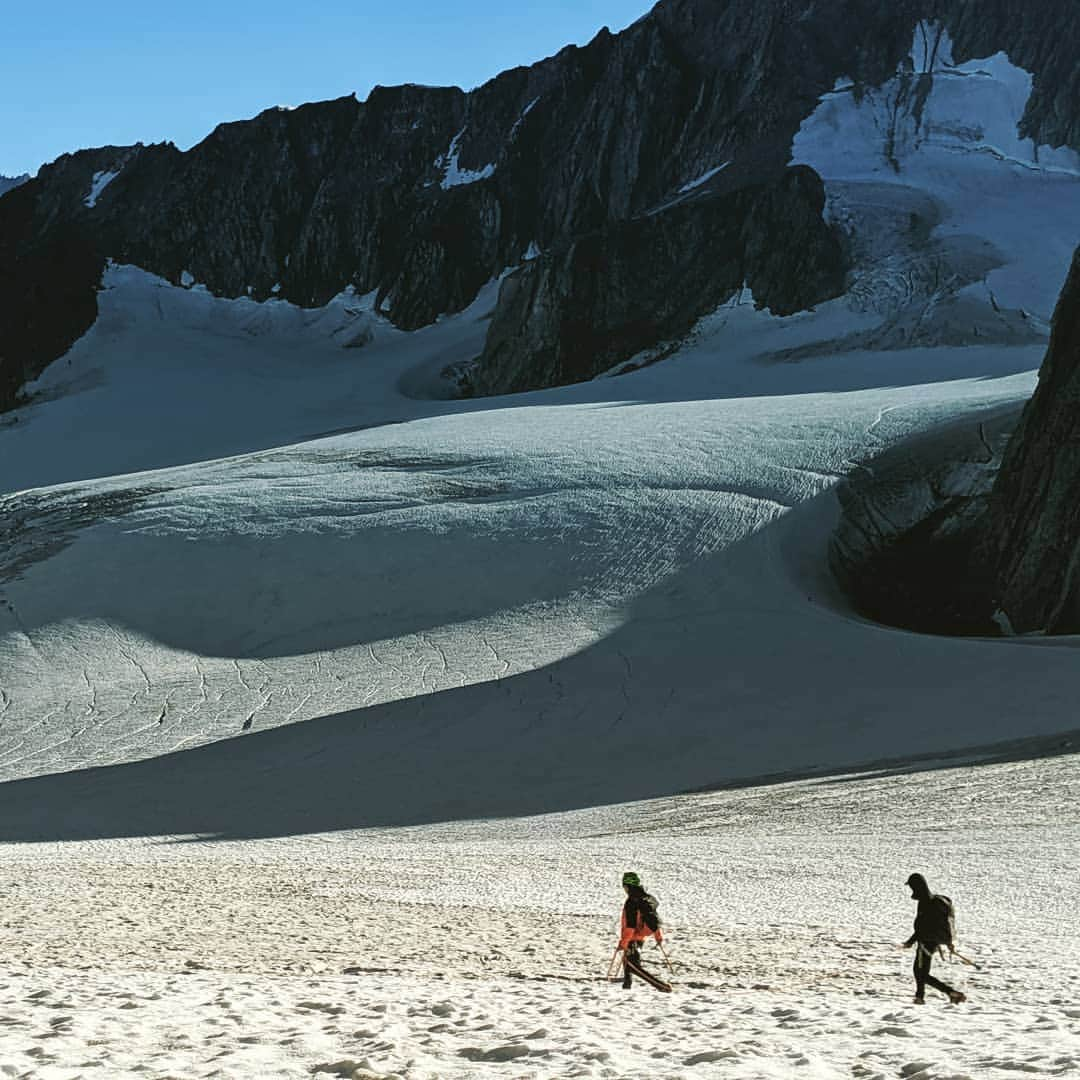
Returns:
(1043, 38)
(48, 281)
(424, 194)
(1032, 530)
(581, 309)
(976, 528)
(906, 549)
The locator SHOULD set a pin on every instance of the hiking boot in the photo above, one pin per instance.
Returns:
(919, 1000)
(955, 997)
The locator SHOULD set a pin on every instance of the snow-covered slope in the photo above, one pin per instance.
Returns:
(509, 601)
(943, 130)
(235, 524)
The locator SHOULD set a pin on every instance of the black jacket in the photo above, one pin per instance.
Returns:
(640, 909)
(933, 923)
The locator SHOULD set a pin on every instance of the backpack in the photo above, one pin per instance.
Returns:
(946, 927)
(646, 906)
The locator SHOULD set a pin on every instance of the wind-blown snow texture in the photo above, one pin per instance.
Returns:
(286, 594)
(479, 950)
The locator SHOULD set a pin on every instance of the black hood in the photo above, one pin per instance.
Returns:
(919, 889)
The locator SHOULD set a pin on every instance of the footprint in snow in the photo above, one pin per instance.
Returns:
(321, 1006)
(510, 1052)
(914, 1068)
(710, 1056)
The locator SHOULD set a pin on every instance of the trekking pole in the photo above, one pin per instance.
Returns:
(611, 969)
(965, 960)
(667, 959)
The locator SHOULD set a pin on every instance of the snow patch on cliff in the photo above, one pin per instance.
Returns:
(931, 105)
(704, 178)
(100, 182)
(521, 119)
(453, 174)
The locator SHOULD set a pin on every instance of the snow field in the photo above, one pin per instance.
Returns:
(573, 603)
(478, 949)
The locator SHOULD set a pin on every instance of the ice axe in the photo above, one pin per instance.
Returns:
(965, 959)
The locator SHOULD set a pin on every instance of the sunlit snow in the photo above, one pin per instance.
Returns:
(966, 155)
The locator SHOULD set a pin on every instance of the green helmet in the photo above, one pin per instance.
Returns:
(630, 878)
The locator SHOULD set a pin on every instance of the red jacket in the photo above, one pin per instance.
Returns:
(637, 930)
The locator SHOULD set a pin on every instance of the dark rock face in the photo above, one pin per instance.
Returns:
(424, 194)
(1042, 38)
(976, 529)
(906, 549)
(574, 313)
(48, 282)
(1031, 535)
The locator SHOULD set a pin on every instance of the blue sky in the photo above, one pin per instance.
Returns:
(83, 74)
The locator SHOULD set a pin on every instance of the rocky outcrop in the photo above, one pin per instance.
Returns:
(576, 312)
(48, 298)
(906, 549)
(424, 194)
(976, 528)
(1031, 535)
(9, 182)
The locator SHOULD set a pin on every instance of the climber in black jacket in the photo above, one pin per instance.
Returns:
(933, 929)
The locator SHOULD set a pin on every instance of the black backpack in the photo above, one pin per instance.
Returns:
(645, 906)
(945, 928)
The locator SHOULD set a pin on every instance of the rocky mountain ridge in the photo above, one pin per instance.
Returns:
(7, 183)
(424, 194)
